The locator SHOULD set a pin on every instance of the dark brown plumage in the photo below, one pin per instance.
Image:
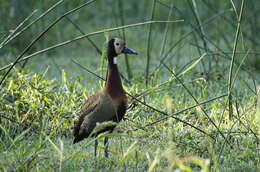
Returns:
(107, 105)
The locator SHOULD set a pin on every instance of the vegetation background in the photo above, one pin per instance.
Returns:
(195, 84)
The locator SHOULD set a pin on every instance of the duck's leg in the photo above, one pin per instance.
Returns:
(106, 146)
(95, 148)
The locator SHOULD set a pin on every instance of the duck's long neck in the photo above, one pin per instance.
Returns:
(113, 82)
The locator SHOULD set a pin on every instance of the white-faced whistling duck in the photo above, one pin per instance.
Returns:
(107, 105)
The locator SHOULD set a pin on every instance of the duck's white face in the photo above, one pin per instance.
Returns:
(119, 45)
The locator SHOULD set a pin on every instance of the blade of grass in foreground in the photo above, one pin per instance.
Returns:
(126, 155)
(193, 64)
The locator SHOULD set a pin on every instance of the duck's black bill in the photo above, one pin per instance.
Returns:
(128, 51)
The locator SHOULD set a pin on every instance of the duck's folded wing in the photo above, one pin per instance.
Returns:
(99, 111)
(86, 109)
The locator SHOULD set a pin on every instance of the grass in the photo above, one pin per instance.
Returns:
(44, 111)
(166, 129)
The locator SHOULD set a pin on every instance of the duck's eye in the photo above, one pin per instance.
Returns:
(117, 44)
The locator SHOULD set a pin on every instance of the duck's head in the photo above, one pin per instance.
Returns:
(117, 46)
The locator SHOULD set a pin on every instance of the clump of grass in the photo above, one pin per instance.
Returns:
(31, 102)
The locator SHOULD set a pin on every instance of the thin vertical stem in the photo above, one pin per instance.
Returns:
(166, 32)
(200, 29)
(120, 6)
(232, 61)
(164, 39)
(149, 45)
